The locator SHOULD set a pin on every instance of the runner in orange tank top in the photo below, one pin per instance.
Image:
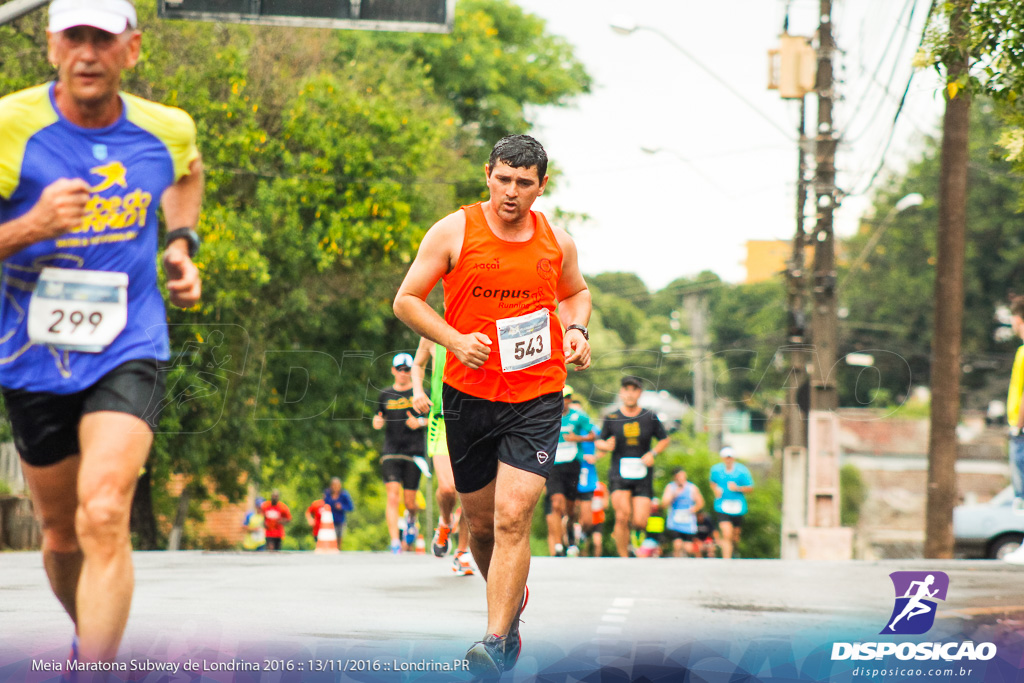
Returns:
(505, 272)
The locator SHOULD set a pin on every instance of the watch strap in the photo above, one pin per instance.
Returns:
(581, 328)
(189, 235)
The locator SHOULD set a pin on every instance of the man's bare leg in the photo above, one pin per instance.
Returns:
(446, 494)
(55, 497)
(641, 512)
(727, 539)
(463, 543)
(623, 506)
(556, 528)
(393, 489)
(478, 511)
(513, 496)
(114, 449)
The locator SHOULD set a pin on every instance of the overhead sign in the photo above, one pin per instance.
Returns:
(415, 16)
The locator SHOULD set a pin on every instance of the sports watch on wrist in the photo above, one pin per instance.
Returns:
(187, 234)
(581, 328)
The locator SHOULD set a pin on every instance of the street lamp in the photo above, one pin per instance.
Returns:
(625, 26)
(911, 200)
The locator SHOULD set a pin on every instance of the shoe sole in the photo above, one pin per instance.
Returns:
(481, 664)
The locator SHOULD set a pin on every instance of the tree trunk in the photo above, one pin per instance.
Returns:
(949, 297)
(143, 521)
(174, 542)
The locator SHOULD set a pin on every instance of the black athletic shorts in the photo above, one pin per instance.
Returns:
(587, 496)
(640, 488)
(565, 479)
(400, 468)
(672, 535)
(481, 432)
(45, 425)
(736, 520)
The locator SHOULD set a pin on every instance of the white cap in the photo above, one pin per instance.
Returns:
(727, 452)
(402, 359)
(112, 16)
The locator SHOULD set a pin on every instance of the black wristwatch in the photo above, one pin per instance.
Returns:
(187, 234)
(581, 328)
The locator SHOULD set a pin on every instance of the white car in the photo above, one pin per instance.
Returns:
(991, 529)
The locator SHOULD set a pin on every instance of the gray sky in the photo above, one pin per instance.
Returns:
(728, 174)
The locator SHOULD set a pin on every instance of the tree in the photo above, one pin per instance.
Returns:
(327, 155)
(897, 330)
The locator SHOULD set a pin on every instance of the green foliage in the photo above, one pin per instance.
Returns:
(497, 60)
(852, 494)
(890, 297)
(327, 156)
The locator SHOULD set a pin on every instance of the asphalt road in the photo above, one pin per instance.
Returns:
(317, 611)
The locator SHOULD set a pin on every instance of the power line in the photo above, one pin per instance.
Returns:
(899, 110)
(878, 67)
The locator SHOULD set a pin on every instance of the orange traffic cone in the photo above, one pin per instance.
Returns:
(421, 545)
(326, 539)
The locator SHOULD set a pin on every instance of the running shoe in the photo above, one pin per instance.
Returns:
(486, 658)
(461, 565)
(513, 641)
(396, 547)
(559, 550)
(440, 544)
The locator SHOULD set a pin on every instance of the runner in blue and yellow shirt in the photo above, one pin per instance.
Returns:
(83, 328)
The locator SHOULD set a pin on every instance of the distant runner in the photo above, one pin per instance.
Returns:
(628, 433)
(403, 443)
(730, 482)
(437, 449)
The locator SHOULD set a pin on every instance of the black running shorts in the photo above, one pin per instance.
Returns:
(565, 479)
(735, 520)
(400, 468)
(481, 433)
(640, 488)
(45, 425)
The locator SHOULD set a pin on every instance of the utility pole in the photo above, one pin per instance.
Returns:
(793, 73)
(696, 305)
(796, 432)
(949, 294)
(824, 325)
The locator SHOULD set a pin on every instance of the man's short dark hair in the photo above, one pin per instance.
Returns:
(632, 381)
(520, 151)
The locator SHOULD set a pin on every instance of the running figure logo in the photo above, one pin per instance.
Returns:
(916, 592)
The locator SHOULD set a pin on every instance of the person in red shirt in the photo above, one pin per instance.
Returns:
(275, 515)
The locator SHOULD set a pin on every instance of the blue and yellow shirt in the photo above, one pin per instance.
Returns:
(128, 164)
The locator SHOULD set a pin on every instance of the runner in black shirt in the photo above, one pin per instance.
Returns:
(404, 440)
(628, 433)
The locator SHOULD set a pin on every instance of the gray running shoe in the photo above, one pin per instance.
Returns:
(486, 658)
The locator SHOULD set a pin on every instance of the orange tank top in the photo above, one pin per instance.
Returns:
(503, 289)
